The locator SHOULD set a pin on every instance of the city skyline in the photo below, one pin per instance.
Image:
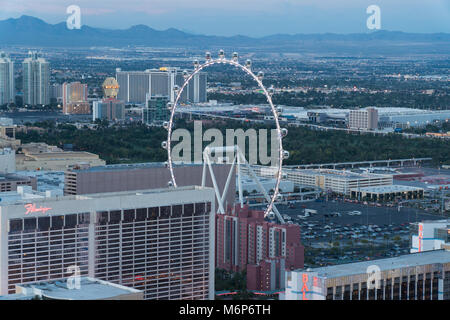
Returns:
(223, 150)
(249, 18)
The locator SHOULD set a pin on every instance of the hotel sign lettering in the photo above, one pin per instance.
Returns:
(311, 286)
(32, 208)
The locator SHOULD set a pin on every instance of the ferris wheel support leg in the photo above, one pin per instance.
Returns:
(213, 178)
(227, 184)
(263, 191)
(241, 197)
(204, 173)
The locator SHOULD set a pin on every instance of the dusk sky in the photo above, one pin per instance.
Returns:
(245, 17)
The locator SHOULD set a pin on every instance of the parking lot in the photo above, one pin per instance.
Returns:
(369, 214)
(340, 231)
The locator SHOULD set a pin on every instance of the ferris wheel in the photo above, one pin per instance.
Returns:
(247, 68)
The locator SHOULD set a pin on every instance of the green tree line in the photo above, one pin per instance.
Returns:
(139, 143)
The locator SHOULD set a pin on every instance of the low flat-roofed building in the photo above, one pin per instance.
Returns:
(430, 235)
(249, 185)
(317, 117)
(7, 142)
(82, 288)
(7, 160)
(415, 276)
(6, 121)
(8, 131)
(387, 193)
(438, 134)
(46, 180)
(26, 193)
(339, 181)
(40, 156)
(38, 147)
(10, 182)
(138, 176)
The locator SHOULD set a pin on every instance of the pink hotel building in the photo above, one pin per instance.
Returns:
(246, 242)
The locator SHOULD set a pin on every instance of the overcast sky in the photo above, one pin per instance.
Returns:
(246, 17)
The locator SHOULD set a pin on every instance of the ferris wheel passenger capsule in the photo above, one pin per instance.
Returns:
(166, 125)
(221, 54)
(235, 56)
(248, 63)
(185, 74)
(170, 184)
(284, 132)
(285, 154)
(169, 106)
(279, 110)
(166, 164)
(271, 215)
(260, 75)
(164, 144)
(208, 56)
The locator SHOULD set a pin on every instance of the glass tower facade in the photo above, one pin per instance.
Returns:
(36, 77)
(135, 85)
(155, 110)
(7, 89)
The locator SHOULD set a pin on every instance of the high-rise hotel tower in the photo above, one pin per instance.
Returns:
(7, 90)
(36, 75)
(139, 86)
(160, 241)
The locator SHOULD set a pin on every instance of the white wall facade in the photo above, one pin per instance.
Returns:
(7, 160)
(425, 239)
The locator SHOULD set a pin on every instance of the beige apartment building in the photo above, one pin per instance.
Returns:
(8, 134)
(363, 119)
(40, 156)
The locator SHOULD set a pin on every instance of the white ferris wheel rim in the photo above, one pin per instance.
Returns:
(235, 63)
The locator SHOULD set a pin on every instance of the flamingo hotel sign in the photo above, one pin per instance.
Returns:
(32, 208)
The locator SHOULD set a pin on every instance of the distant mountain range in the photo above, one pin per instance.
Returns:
(31, 31)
